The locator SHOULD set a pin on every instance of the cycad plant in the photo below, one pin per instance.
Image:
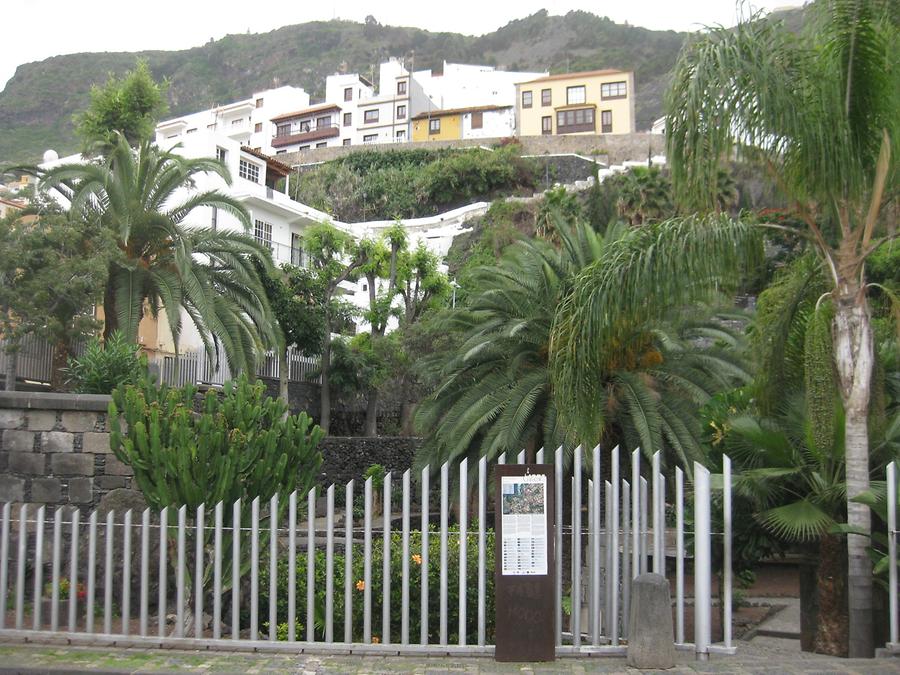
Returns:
(143, 196)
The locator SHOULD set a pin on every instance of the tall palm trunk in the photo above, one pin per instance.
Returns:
(283, 376)
(110, 322)
(854, 358)
(371, 425)
(325, 389)
(12, 368)
(831, 593)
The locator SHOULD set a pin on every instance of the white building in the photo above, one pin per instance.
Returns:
(461, 85)
(384, 118)
(248, 121)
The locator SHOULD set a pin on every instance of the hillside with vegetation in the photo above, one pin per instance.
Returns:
(37, 105)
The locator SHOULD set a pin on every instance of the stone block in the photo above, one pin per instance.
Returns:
(46, 490)
(95, 442)
(12, 489)
(109, 482)
(68, 464)
(651, 638)
(41, 420)
(18, 441)
(79, 421)
(58, 441)
(11, 419)
(31, 463)
(81, 490)
(116, 468)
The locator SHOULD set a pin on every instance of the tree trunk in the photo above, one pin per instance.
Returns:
(110, 324)
(831, 593)
(407, 418)
(371, 426)
(283, 374)
(854, 358)
(60, 362)
(324, 390)
(12, 367)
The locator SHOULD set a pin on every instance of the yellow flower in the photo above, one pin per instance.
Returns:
(360, 585)
(375, 640)
(417, 559)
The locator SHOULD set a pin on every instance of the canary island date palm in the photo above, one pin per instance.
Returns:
(143, 196)
(819, 112)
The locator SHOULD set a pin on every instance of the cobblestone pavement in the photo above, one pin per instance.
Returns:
(762, 655)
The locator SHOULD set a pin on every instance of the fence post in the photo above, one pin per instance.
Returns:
(73, 565)
(482, 540)
(679, 556)
(445, 508)
(576, 549)
(614, 615)
(329, 564)
(558, 477)
(726, 558)
(702, 563)
(463, 545)
(892, 547)
(423, 621)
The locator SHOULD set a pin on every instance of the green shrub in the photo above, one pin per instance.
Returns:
(105, 366)
(415, 548)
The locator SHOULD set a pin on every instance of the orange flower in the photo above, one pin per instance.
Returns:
(360, 585)
(375, 640)
(417, 559)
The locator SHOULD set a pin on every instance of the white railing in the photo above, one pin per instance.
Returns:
(63, 572)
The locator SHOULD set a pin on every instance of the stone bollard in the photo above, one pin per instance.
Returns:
(651, 639)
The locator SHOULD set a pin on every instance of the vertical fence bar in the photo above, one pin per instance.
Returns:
(589, 562)
(558, 477)
(595, 550)
(162, 572)
(423, 621)
(404, 589)
(445, 508)
(4, 564)
(702, 563)
(367, 561)
(607, 559)
(126, 573)
(73, 566)
(57, 545)
(614, 615)
(217, 572)
(626, 556)
(502, 458)
(92, 572)
(892, 548)
(539, 458)
(38, 566)
(657, 526)
(482, 542)
(199, 536)
(679, 555)
(236, 570)
(108, 576)
(726, 553)
(576, 549)
(292, 567)
(348, 565)
(310, 565)
(254, 569)
(644, 524)
(520, 459)
(635, 513)
(273, 567)
(386, 562)
(145, 571)
(180, 572)
(329, 564)
(463, 545)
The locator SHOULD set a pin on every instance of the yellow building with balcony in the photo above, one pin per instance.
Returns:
(592, 102)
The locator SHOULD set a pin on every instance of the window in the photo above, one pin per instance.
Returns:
(575, 95)
(547, 125)
(322, 122)
(324, 144)
(211, 126)
(613, 90)
(297, 257)
(257, 128)
(477, 120)
(303, 147)
(304, 126)
(259, 103)
(348, 93)
(221, 154)
(191, 131)
(346, 141)
(434, 126)
(214, 220)
(283, 130)
(248, 170)
(526, 99)
(280, 152)
(606, 121)
(574, 121)
(370, 116)
(239, 122)
(400, 135)
(401, 88)
(546, 97)
(370, 138)
(262, 232)
(348, 119)
(401, 112)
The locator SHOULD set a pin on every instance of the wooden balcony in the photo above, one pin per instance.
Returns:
(311, 136)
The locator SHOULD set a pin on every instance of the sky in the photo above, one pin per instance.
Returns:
(38, 29)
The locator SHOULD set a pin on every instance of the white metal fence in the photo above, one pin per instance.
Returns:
(114, 580)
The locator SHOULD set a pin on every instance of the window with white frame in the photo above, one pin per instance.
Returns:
(221, 154)
(575, 95)
(434, 126)
(613, 90)
(298, 255)
(262, 232)
(248, 170)
(370, 138)
(370, 116)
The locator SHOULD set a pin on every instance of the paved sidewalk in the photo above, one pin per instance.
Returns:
(761, 655)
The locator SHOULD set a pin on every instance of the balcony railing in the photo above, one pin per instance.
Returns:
(317, 134)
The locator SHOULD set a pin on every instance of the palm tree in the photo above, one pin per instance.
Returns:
(210, 274)
(820, 113)
(496, 393)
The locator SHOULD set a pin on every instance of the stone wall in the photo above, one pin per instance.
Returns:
(614, 149)
(54, 449)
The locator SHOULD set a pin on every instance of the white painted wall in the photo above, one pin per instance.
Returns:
(494, 124)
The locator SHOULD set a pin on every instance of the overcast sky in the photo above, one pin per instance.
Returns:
(37, 29)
